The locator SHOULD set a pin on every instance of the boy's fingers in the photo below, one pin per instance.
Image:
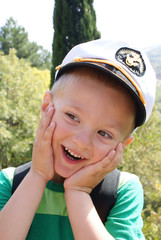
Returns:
(119, 148)
(107, 160)
(112, 160)
(47, 110)
(118, 156)
(49, 132)
(45, 122)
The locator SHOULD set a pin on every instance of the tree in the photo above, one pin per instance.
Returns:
(14, 36)
(74, 22)
(21, 90)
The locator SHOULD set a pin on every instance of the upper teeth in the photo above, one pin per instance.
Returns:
(72, 153)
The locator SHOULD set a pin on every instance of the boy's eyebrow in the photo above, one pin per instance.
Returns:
(75, 107)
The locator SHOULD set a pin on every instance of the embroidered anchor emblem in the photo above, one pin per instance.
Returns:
(132, 60)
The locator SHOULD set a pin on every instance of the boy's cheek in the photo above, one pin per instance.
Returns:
(101, 151)
(62, 129)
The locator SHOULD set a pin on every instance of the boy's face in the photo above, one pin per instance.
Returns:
(91, 119)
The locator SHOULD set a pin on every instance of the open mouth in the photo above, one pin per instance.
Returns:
(72, 155)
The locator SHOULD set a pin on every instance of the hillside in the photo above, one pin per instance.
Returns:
(154, 54)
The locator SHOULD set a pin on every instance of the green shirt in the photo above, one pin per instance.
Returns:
(51, 219)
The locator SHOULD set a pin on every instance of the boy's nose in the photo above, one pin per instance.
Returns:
(83, 140)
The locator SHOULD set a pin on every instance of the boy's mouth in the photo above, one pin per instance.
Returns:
(71, 154)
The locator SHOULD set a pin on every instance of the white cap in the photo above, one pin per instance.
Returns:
(123, 62)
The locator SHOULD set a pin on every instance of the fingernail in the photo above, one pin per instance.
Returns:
(50, 109)
(49, 106)
(120, 147)
(46, 99)
(111, 154)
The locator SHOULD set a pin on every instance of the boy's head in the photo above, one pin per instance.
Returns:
(102, 91)
(92, 116)
(125, 65)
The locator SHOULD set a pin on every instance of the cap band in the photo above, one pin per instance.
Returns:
(106, 65)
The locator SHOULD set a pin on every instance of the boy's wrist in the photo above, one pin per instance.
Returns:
(39, 176)
(75, 195)
(79, 189)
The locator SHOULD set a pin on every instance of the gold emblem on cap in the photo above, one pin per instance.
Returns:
(132, 60)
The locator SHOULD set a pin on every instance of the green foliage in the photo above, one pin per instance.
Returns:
(21, 89)
(74, 22)
(14, 36)
(152, 223)
(143, 158)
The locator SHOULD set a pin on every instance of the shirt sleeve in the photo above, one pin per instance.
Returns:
(125, 221)
(5, 186)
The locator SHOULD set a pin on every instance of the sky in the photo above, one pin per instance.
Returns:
(137, 21)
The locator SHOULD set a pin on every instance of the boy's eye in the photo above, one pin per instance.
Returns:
(71, 116)
(104, 134)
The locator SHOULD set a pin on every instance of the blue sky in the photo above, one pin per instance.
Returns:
(135, 21)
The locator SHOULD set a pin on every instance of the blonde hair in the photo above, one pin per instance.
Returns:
(59, 86)
(68, 77)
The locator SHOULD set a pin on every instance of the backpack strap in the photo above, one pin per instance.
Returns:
(104, 195)
(20, 173)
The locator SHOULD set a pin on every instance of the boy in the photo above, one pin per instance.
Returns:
(103, 91)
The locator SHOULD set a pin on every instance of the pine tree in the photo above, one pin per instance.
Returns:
(14, 36)
(74, 22)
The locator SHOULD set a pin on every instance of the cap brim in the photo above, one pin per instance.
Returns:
(141, 112)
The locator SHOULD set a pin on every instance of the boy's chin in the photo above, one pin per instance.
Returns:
(58, 178)
(62, 173)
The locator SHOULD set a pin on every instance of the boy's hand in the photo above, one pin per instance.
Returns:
(42, 157)
(90, 176)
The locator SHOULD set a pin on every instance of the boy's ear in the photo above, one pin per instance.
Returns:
(47, 99)
(127, 141)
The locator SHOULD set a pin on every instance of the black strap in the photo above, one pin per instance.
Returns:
(20, 173)
(103, 195)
